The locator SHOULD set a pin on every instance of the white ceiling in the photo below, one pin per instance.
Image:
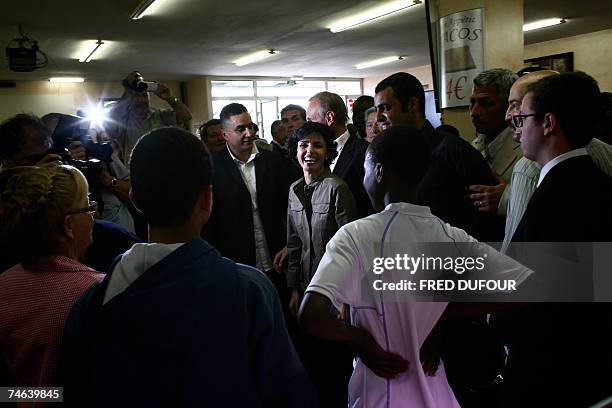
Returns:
(187, 38)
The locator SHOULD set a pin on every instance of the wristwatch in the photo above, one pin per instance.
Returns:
(114, 182)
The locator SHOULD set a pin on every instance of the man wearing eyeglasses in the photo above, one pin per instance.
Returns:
(526, 172)
(250, 190)
(559, 352)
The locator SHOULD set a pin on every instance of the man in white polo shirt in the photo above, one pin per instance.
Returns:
(389, 327)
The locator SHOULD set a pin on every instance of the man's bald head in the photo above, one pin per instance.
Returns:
(517, 92)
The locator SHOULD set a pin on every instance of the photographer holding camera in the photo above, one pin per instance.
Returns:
(100, 163)
(134, 116)
(25, 140)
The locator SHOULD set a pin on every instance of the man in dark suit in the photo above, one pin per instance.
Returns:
(250, 192)
(560, 353)
(400, 100)
(278, 130)
(329, 109)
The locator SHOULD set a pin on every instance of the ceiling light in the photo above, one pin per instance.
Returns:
(66, 79)
(372, 14)
(90, 50)
(139, 11)
(543, 23)
(256, 56)
(380, 61)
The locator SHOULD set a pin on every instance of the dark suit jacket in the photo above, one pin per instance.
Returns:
(572, 204)
(277, 149)
(456, 164)
(349, 167)
(554, 345)
(230, 228)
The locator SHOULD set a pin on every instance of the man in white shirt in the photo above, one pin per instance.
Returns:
(251, 188)
(488, 105)
(388, 327)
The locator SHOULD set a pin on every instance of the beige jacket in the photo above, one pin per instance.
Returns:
(315, 213)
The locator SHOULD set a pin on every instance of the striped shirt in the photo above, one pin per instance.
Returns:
(34, 307)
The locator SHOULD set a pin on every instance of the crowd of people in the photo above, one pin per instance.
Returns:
(145, 265)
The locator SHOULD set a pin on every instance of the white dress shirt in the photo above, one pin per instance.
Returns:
(340, 142)
(247, 170)
(561, 158)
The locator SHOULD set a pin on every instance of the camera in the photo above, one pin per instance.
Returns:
(140, 85)
(91, 168)
(71, 128)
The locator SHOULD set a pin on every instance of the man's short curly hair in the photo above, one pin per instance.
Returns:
(308, 129)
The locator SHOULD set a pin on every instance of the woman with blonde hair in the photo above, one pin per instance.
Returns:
(46, 216)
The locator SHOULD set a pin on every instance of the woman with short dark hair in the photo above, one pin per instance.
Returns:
(319, 204)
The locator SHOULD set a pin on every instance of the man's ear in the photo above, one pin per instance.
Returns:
(66, 227)
(330, 118)
(414, 105)
(379, 173)
(550, 123)
(133, 200)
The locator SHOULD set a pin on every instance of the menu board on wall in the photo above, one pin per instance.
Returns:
(462, 55)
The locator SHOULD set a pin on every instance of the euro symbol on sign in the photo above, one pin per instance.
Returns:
(459, 88)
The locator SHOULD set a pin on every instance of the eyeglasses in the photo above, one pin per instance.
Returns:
(90, 209)
(518, 120)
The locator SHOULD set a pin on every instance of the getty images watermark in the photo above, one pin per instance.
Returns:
(476, 272)
(461, 265)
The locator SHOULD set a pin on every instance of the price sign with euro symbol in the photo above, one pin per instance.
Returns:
(462, 55)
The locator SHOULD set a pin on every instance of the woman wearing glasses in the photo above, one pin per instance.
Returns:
(46, 215)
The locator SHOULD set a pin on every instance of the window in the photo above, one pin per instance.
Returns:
(265, 98)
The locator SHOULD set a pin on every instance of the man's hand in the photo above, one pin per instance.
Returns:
(486, 198)
(381, 362)
(105, 178)
(77, 150)
(163, 92)
(294, 302)
(280, 261)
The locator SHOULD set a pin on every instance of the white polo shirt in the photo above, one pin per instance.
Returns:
(398, 324)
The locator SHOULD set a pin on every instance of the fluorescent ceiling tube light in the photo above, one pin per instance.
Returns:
(256, 56)
(380, 61)
(88, 54)
(543, 23)
(66, 79)
(372, 14)
(139, 11)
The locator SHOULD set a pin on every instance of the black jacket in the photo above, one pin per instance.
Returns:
(349, 167)
(230, 228)
(455, 164)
